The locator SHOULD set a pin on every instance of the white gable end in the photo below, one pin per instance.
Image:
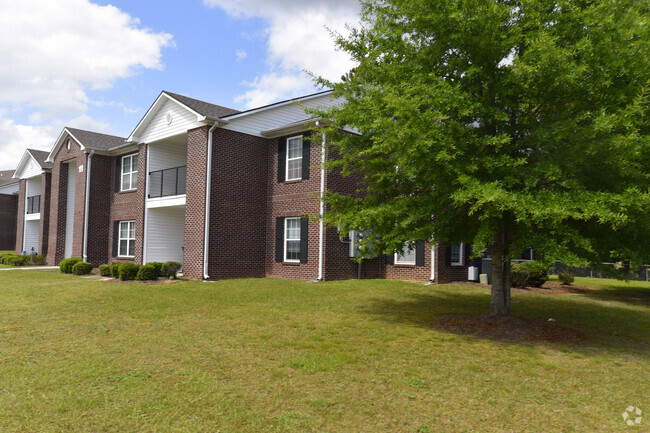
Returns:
(28, 167)
(275, 117)
(171, 119)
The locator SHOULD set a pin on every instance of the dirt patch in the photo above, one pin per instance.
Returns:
(549, 288)
(510, 329)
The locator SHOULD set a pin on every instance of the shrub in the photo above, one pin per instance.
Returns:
(565, 278)
(147, 272)
(519, 275)
(14, 260)
(38, 259)
(4, 257)
(66, 264)
(538, 273)
(82, 268)
(158, 267)
(115, 269)
(105, 270)
(169, 269)
(128, 271)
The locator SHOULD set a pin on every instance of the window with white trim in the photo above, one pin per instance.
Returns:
(129, 172)
(294, 158)
(408, 256)
(126, 239)
(292, 240)
(456, 254)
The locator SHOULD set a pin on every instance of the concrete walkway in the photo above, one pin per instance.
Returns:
(28, 268)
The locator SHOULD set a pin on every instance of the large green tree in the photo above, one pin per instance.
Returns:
(504, 123)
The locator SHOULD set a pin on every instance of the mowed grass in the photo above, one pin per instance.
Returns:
(83, 355)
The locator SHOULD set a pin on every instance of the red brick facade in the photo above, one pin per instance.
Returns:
(9, 218)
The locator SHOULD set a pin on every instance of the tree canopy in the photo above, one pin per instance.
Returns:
(503, 123)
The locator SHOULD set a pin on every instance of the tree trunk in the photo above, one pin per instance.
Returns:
(501, 276)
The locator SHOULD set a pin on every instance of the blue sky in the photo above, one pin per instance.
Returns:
(99, 65)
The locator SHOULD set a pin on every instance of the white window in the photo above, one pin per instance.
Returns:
(129, 172)
(127, 238)
(292, 239)
(294, 158)
(457, 254)
(408, 257)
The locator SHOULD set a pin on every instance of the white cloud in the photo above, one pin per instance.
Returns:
(86, 122)
(297, 40)
(16, 138)
(241, 55)
(55, 52)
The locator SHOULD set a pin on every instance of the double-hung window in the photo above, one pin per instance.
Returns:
(407, 257)
(292, 240)
(457, 254)
(127, 239)
(294, 158)
(129, 172)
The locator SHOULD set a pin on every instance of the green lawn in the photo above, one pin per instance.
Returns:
(83, 355)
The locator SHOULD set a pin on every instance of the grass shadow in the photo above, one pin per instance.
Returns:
(606, 324)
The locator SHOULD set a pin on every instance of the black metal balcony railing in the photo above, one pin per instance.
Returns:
(168, 182)
(34, 204)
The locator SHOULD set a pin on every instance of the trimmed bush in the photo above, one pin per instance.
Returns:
(66, 264)
(14, 260)
(82, 268)
(538, 273)
(519, 275)
(115, 269)
(565, 278)
(128, 271)
(147, 272)
(169, 269)
(38, 259)
(158, 267)
(105, 270)
(4, 257)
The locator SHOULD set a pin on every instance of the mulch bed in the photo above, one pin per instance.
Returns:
(509, 329)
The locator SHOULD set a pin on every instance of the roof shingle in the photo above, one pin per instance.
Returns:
(202, 107)
(95, 140)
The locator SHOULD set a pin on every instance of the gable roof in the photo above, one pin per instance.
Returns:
(6, 177)
(203, 108)
(87, 140)
(39, 157)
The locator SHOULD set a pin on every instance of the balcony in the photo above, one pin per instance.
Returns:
(168, 182)
(33, 204)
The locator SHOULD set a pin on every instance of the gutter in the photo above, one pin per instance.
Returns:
(208, 182)
(321, 228)
(88, 167)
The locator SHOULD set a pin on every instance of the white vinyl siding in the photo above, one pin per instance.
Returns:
(126, 239)
(165, 234)
(69, 210)
(129, 172)
(294, 158)
(457, 254)
(159, 128)
(292, 240)
(275, 117)
(31, 169)
(32, 232)
(408, 257)
(167, 154)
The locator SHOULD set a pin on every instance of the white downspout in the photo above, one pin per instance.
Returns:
(25, 215)
(321, 239)
(208, 182)
(433, 261)
(88, 166)
(146, 209)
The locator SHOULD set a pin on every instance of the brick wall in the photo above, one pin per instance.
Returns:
(238, 205)
(46, 187)
(20, 215)
(445, 272)
(9, 218)
(58, 194)
(292, 199)
(99, 221)
(124, 205)
(197, 156)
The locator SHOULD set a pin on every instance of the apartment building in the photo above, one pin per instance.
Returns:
(227, 193)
